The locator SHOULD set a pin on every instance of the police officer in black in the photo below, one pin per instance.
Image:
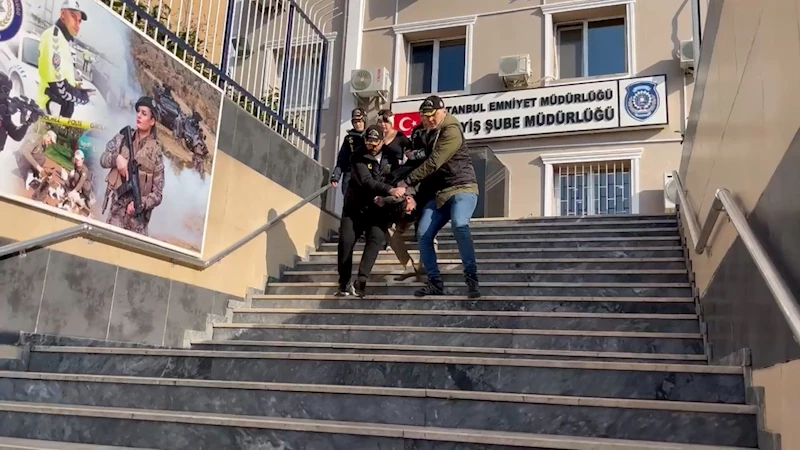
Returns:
(361, 215)
(352, 144)
(29, 113)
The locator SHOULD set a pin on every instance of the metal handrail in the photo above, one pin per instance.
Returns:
(724, 202)
(102, 235)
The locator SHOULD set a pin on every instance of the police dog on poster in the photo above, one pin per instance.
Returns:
(101, 124)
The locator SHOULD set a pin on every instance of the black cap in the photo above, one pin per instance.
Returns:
(5, 85)
(150, 103)
(373, 134)
(358, 114)
(430, 105)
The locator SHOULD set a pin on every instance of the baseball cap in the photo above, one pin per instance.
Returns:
(52, 135)
(430, 105)
(75, 5)
(78, 155)
(150, 103)
(358, 114)
(373, 135)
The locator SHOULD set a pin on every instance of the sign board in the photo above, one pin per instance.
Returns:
(592, 106)
(76, 104)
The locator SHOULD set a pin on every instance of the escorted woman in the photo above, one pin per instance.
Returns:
(395, 144)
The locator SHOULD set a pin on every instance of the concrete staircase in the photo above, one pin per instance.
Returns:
(587, 337)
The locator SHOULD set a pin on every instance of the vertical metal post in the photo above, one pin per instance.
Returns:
(287, 54)
(323, 65)
(226, 47)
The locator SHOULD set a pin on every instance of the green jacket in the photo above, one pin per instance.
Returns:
(448, 170)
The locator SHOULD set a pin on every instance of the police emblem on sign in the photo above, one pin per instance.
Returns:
(10, 18)
(641, 100)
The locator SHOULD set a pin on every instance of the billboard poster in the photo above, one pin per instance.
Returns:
(99, 123)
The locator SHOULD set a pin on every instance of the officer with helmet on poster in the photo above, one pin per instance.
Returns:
(58, 83)
(353, 143)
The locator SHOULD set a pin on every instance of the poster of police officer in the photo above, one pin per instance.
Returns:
(80, 88)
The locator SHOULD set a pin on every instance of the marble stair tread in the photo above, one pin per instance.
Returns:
(569, 239)
(7, 443)
(591, 284)
(541, 363)
(487, 298)
(478, 251)
(452, 312)
(660, 221)
(464, 436)
(630, 229)
(561, 400)
(453, 330)
(511, 272)
(495, 352)
(592, 218)
(532, 261)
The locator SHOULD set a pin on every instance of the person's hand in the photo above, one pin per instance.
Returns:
(409, 154)
(335, 184)
(411, 204)
(397, 192)
(39, 169)
(131, 209)
(122, 166)
(379, 201)
(73, 195)
(402, 184)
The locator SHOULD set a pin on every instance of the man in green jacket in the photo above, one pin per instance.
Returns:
(448, 172)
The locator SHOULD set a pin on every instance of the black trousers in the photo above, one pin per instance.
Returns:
(353, 225)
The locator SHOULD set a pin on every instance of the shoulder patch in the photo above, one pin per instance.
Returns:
(369, 166)
(56, 60)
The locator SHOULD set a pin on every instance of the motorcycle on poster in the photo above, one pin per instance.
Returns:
(102, 124)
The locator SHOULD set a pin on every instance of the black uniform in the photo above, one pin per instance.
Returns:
(352, 144)
(361, 216)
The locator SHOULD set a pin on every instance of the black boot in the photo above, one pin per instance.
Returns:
(473, 289)
(430, 288)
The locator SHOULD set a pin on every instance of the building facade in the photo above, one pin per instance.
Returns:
(588, 118)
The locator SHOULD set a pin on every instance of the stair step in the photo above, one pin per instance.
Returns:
(204, 431)
(523, 226)
(489, 352)
(523, 264)
(645, 381)
(633, 276)
(588, 289)
(617, 341)
(705, 423)
(561, 232)
(679, 323)
(7, 443)
(559, 252)
(535, 244)
(664, 305)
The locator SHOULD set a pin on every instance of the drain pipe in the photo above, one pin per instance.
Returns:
(696, 32)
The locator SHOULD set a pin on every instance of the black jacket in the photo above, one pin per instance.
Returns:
(369, 180)
(352, 144)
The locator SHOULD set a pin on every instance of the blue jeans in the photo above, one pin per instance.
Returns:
(458, 211)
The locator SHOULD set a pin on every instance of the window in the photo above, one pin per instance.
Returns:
(303, 72)
(592, 48)
(437, 66)
(600, 188)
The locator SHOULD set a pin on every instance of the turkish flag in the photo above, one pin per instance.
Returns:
(405, 122)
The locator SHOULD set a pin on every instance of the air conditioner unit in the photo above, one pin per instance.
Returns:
(366, 83)
(687, 55)
(515, 70)
(670, 192)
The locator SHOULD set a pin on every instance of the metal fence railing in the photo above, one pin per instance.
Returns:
(269, 56)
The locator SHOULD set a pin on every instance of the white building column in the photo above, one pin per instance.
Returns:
(351, 59)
